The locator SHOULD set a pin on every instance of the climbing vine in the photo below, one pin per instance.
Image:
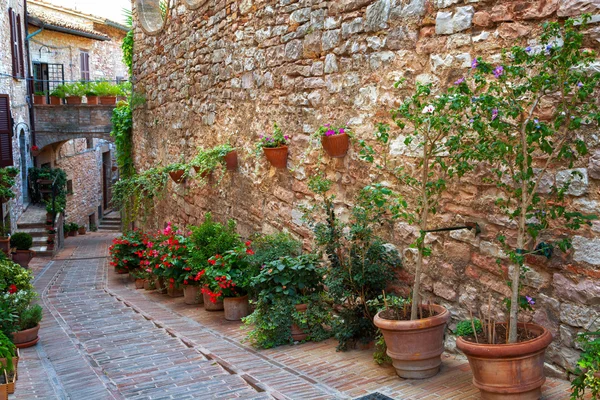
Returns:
(122, 123)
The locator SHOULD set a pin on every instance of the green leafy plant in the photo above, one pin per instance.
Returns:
(278, 139)
(30, 317)
(269, 248)
(587, 373)
(7, 351)
(21, 240)
(122, 124)
(56, 175)
(229, 274)
(6, 184)
(465, 328)
(59, 91)
(105, 88)
(207, 160)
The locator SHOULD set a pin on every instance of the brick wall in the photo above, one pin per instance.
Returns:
(225, 71)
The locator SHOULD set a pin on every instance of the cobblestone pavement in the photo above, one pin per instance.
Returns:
(102, 339)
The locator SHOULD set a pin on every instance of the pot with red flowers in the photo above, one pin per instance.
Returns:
(228, 276)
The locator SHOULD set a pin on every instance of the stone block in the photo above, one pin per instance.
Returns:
(352, 28)
(294, 49)
(330, 39)
(463, 18)
(377, 15)
(570, 8)
(312, 45)
(594, 165)
(584, 291)
(331, 64)
(576, 179)
(443, 23)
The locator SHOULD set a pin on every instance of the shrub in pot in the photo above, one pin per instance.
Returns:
(127, 252)
(335, 140)
(39, 98)
(91, 94)
(274, 147)
(81, 230)
(73, 229)
(207, 160)
(107, 92)
(57, 95)
(50, 244)
(28, 326)
(22, 242)
(74, 92)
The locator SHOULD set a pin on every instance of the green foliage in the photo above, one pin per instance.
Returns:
(13, 274)
(126, 251)
(360, 265)
(21, 240)
(30, 317)
(75, 89)
(122, 123)
(127, 47)
(229, 274)
(16, 295)
(7, 350)
(59, 91)
(207, 160)
(71, 227)
(587, 373)
(269, 248)
(56, 175)
(465, 328)
(6, 183)
(105, 88)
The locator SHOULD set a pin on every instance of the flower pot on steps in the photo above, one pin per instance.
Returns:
(23, 257)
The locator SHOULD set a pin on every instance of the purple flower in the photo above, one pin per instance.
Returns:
(494, 114)
(327, 125)
(580, 84)
(459, 81)
(342, 131)
(537, 121)
(474, 63)
(330, 132)
(499, 71)
(530, 300)
(471, 120)
(528, 49)
(286, 137)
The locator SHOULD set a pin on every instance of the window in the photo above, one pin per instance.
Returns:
(84, 65)
(16, 41)
(89, 143)
(6, 150)
(70, 186)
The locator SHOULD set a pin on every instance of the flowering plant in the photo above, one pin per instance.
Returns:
(330, 130)
(35, 148)
(230, 274)
(278, 139)
(16, 295)
(167, 255)
(127, 250)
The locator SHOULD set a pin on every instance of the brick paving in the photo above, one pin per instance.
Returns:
(102, 339)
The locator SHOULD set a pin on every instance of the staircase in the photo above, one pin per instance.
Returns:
(32, 221)
(111, 222)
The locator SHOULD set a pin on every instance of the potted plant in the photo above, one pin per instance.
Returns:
(28, 326)
(81, 230)
(229, 277)
(107, 92)
(504, 109)
(50, 244)
(335, 140)
(91, 93)
(5, 237)
(177, 171)
(74, 92)
(57, 95)
(170, 259)
(22, 242)
(274, 147)
(39, 98)
(72, 229)
(205, 162)
(587, 372)
(6, 184)
(231, 160)
(8, 364)
(12, 171)
(127, 252)
(140, 276)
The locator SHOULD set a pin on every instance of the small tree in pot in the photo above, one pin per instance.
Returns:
(22, 242)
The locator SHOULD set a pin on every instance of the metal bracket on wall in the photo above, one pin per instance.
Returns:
(469, 225)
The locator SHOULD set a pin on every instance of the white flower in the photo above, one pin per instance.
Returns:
(428, 109)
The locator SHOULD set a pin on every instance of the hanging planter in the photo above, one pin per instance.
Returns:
(177, 176)
(509, 371)
(277, 156)
(231, 160)
(336, 145)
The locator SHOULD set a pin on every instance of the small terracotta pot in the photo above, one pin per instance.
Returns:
(73, 100)
(37, 99)
(23, 257)
(114, 168)
(5, 244)
(336, 145)
(236, 308)
(277, 156)
(509, 371)
(297, 333)
(139, 283)
(204, 174)
(92, 100)
(415, 346)
(50, 246)
(192, 295)
(81, 230)
(4, 391)
(174, 291)
(26, 338)
(148, 284)
(231, 160)
(55, 101)
(209, 305)
(107, 100)
(177, 176)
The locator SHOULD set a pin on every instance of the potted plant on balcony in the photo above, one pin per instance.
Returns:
(274, 147)
(57, 95)
(335, 140)
(91, 94)
(22, 242)
(229, 276)
(39, 98)
(107, 92)
(74, 92)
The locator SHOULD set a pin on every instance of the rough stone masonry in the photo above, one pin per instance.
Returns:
(222, 71)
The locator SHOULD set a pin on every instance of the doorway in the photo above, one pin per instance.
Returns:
(23, 165)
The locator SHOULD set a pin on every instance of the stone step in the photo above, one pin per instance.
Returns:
(110, 229)
(30, 225)
(115, 218)
(105, 222)
(42, 251)
(35, 232)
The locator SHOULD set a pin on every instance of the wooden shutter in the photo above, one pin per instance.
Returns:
(6, 153)
(21, 59)
(84, 65)
(13, 48)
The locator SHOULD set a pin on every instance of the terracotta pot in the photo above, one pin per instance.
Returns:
(4, 392)
(26, 338)
(159, 284)
(209, 305)
(192, 295)
(81, 230)
(72, 233)
(277, 156)
(177, 176)
(148, 284)
(336, 145)
(92, 100)
(107, 100)
(114, 168)
(509, 371)
(174, 291)
(5, 244)
(38, 99)
(297, 333)
(73, 100)
(50, 246)
(236, 308)
(55, 101)
(415, 346)
(204, 174)
(51, 236)
(231, 160)
(139, 283)
(23, 257)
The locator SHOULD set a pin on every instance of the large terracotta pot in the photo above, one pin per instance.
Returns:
(174, 291)
(209, 305)
(92, 100)
(297, 333)
(177, 176)
(26, 338)
(277, 156)
(23, 257)
(39, 99)
(336, 145)
(73, 100)
(192, 295)
(231, 160)
(4, 391)
(236, 308)
(148, 284)
(5, 244)
(509, 371)
(415, 346)
(55, 101)
(159, 283)
(107, 100)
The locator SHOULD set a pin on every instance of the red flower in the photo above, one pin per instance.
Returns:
(212, 262)
(248, 243)
(12, 289)
(34, 148)
(249, 251)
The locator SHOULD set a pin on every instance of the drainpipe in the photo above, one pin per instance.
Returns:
(29, 76)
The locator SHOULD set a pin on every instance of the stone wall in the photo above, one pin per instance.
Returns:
(225, 70)
(17, 90)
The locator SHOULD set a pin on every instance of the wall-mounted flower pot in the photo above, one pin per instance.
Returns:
(39, 99)
(107, 100)
(23, 257)
(236, 308)
(336, 145)
(177, 176)
(509, 371)
(55, 101)
(73, 100)
(277, 156)
(415, 346)
(297, 333)
(26, 338)
(92, 100)
(204, 174)
(231, 160)
(209, 305)
(192, 295)
(114, 168)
